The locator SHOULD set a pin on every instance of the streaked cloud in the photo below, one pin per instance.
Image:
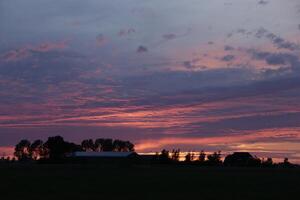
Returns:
(26, 51)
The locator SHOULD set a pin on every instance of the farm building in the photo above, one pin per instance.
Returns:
(105, 154)
(104, 157)
(240, 159)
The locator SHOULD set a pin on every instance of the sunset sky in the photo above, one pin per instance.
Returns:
(194, 74)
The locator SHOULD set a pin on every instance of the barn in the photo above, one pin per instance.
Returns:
(104, 157)
(241, 159)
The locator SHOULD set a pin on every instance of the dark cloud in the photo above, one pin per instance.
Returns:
(193, 64)
(169, 36)
(261, 33)
(263, 2)
(288, 62)
(228, 48)
(239, 31)
(188, 64)
(228, 58)
(229, 35)
(173, 36)
(126, 32)
(242, 31)
(278, 41)
(142, 49)
(276, 58)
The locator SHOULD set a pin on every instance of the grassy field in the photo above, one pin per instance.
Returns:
(159, 182)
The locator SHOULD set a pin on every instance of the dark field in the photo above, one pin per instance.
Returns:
(158, 182)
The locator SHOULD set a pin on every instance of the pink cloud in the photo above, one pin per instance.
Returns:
(15, 55)
(237, 140)
(26, 51)
(49, 46)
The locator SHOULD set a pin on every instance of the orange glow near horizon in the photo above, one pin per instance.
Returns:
(245, 137)
(7, 151)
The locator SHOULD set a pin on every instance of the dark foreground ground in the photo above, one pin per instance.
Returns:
(158, 182)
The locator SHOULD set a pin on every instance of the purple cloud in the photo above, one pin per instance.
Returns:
(142, 49)
(263, 2)
(169, 36)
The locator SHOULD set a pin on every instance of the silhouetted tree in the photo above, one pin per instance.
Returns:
(214, 159)
(122, 146)
(118, 145)
(189, 157)
(72, 147)
(175, 154)
(107, 145)
(99, 144)
(22, 150)
(37, 150)
(268, 162)
(129, 146)
(202, 157)
(286, 161)
(156, 157)
(102, 144)
(164, 156)
(57, 148)
(256, 162)
(88, 145)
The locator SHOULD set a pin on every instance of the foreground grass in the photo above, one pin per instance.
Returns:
(142, 182)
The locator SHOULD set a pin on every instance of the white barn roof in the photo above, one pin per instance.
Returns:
(109, 154)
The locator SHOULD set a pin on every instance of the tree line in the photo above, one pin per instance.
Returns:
(57, 148)
(237, 159)
(203, 158)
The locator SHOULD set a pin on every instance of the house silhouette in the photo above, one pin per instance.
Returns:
(241, 159)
